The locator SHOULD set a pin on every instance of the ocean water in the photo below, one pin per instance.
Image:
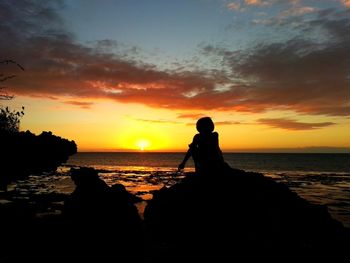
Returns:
(319, 178)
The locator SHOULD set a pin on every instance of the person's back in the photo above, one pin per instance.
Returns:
(204, 148)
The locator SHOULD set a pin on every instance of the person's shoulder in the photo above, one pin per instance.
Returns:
(196, 136)
(214, 136)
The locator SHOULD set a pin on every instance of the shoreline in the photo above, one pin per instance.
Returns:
(142, 182)
(252, 210)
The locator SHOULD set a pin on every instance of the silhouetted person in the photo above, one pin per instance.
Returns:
(204, 148)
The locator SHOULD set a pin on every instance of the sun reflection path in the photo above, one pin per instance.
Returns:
(141, 181)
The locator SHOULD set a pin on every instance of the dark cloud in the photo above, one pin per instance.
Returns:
(81, 104)
(301, 75)
(289, 124)
(58, 65)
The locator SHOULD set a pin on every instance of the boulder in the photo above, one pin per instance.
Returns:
(101, 218)
(238, 213)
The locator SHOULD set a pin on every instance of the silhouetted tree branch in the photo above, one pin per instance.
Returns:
(3, 94)
(9, 119)
(10, 61)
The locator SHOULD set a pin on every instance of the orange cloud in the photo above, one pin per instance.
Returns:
(81, 104)
(233, 6)
(297, 75)
(193, 116)
(256, 2)
(346, 3)
(221, 123)
(294, 125)
(297, 10)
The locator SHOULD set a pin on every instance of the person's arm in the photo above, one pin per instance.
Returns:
(187, 155)
(216, 138)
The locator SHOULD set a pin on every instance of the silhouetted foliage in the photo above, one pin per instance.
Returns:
(24, 153)
(9, 120)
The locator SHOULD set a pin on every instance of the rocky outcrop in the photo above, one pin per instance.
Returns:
(238, 213)
(24, 153)
(217, 218)
(98, 222)
(93, 200)
(102, 218)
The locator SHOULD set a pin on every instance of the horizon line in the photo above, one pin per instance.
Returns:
(344, 150)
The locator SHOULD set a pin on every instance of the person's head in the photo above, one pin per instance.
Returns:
(205, 125)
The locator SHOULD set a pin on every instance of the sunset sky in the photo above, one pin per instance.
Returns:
(119, 75)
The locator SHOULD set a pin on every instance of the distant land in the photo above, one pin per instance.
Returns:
(311, 149)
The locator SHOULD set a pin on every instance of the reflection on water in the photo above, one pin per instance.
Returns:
(137, 179)
(331, 189)
(141, 180)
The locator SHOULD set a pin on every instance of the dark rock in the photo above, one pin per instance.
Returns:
(98, 222)
(121, 193)
(102, 218)
(238, 213)
(24, 154)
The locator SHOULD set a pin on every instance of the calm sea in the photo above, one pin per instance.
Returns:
(320, 178)
(338, 163)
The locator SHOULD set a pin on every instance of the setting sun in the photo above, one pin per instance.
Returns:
(143, 144)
